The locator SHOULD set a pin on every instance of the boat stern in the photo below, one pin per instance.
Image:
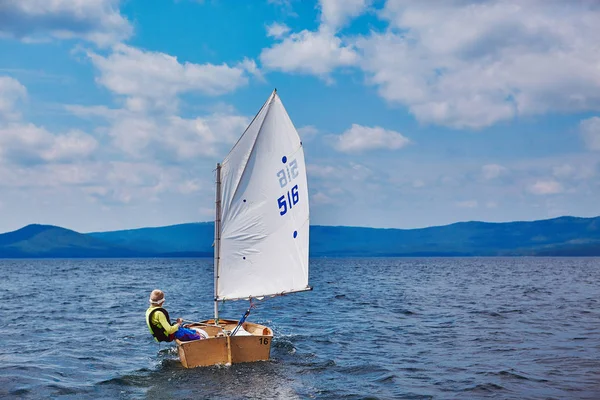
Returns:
(251, 343)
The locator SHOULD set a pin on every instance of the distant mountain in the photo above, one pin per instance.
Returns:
(564, 236)
(55, 242)
(558, 236)
(181, 239)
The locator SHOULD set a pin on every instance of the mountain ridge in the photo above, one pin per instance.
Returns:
(561, 236)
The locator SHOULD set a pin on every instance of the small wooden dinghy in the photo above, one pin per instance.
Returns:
(261, 236)
(251, 343)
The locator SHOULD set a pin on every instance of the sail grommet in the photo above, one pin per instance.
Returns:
(284, 159)
(295, 234)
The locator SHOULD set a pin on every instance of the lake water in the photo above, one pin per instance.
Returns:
(446, 328)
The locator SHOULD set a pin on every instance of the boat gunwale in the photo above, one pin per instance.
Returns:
(221, 326)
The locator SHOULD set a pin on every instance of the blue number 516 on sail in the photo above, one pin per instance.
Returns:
(290, 199)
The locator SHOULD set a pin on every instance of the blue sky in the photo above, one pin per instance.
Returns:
(114, 113)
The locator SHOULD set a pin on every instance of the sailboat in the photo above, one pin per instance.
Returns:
(261, 236)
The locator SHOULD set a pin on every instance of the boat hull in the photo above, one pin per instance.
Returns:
(251, 343)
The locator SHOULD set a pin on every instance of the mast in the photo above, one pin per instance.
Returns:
(217, 250)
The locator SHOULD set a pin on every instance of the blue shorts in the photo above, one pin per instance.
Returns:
(186, 334)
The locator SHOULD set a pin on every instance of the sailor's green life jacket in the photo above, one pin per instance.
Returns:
(159, 324)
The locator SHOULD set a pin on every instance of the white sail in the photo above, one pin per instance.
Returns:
(264, 218)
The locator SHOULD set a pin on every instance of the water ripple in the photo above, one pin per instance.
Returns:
(472, 328)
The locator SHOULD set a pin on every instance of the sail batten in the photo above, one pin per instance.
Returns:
(264, 210)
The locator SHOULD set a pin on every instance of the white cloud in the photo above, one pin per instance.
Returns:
(95, 111)
(359, 138)
(29, 144)
(277, 30)
(336, 13)
(190, 186)
(11, 91)
(590, 130)
(543, 187)
(308, 132)
(359, 172)
(23, 143)
(100, 177)
(138, 163)
(470, 64)
(139, 155)
(133, 173)
(139, 181)
(324, 171)
(491, 204)
(563, 171)
(109, 196)
(418, 183)
(462, 64)
(190, 138)
(154, 79)
(148, 128)
(98, 21)
(59, 175)
(285, 5)
(308, 52)
(467, 204)
(101, 185)
(340, 171)
(166, 138)
(322, 198)
(251, 68)
(70, 146)
(124, 182)
(44, 175)
(491, 171)
(315, 52)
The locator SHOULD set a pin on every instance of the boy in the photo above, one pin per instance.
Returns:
(159, 323)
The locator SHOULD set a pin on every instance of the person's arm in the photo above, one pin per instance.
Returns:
(165, 324)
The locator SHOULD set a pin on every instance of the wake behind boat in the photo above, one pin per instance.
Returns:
(261, 236)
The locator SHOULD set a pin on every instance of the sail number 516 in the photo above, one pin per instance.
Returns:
(290, 201)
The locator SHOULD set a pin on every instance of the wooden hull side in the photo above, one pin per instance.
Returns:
(201, 353)
(250, 348)
(254, 345)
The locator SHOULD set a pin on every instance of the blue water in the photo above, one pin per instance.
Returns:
(504, 328)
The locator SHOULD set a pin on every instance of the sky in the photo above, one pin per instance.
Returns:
(113, 114)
